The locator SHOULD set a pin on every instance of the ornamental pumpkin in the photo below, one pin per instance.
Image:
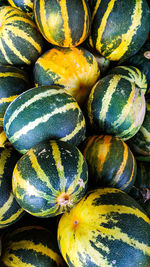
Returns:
(42, 113)
(50, 178)
(63, 23)
(10, 210)
(116, 106)
(20, 41)
(30, 246)
(110, 162)
(74, 69)
(106, 228)
(119, 28)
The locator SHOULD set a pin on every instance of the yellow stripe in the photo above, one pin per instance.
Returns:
(77, 178)
(131, 176)
(17, 15)
(5, 154)
(80, 125)
(31, 125)
(39, 171)
(123, 164)
(136, 76)
(30, 190)
(106, 101)
(28, 3)
(37, 248)
(13, 74)
(86, 24)
(11, 2)
(66, 29)
(88, 144)
(47, 23)
(103, 24)
(6, 206)
(10, 259)
(128, 106)
(89, 103)
(137, 116)
(127, 37)
(104, 149)
(95, 10)
(59, 166)
(7, 99)
(116, 234)
(11, 219)
(21, 33)
(12, 47)
(4, 53)
(35, 98)
(3, 138)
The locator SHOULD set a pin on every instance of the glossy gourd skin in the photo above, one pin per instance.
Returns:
(42, 113)
(106, 228)
(119, 28)
(13, 81)
(30, 246)
(22, 41)
(10, 210)
(140, 143)
(74, 69)
(110, 162)
(25, 5)
(50, 178)
(116, 106)
(63, 23)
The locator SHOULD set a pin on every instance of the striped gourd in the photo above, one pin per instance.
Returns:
(40, 113)
(75, 69)
(20, 41)
(116, 107)
(132, 74)
(50, 178)
(141, 60)
(63, 23)
(119, 28)
(30, 246)
(106, 228)
(110, 162)
(140, 143)
(25, 5)
(141, 189)
(10, 211)
(13, 81)
(3, 139)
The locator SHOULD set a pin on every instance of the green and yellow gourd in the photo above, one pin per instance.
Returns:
(25, 5)
(119, 28)
(3, 139)
(116, 106)
(110, 162)
(141, 60)
(63, 23)
(13, 81)
(132, 74)
(75, 69)
(41, 113)
(10, 211)
(140, 143)
(30, 246)
(20, 41)
(106, 228)
(50, 178)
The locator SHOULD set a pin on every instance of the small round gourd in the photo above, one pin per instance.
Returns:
(50, 178)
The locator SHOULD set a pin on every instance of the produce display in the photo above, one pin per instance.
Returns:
(74, 133)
